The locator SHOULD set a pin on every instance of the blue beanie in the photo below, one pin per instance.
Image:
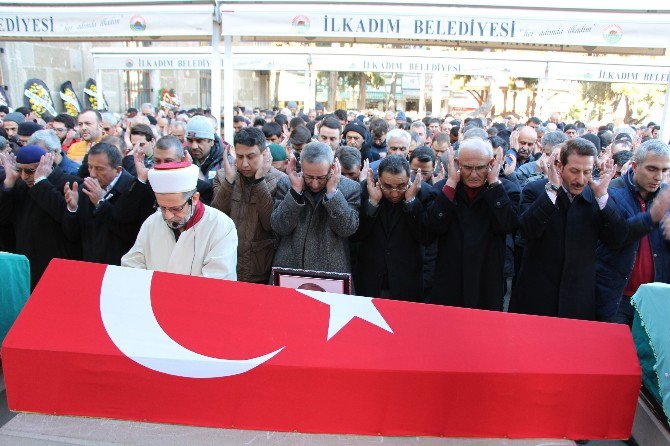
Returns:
(15, 117)
(30, 154)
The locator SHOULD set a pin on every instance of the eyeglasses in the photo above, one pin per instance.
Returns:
(21, 170)
(312, 177)
(59, 129)
(386, 188)
(173, 209)
(479, 169)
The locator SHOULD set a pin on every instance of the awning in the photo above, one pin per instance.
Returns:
(582, 27)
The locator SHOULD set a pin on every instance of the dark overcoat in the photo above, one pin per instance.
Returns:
(36, 214)
(557, 274)
(469, 270)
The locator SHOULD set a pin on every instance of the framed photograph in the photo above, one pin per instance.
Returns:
(304, 279)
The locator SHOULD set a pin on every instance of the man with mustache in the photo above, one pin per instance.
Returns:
(562, 219)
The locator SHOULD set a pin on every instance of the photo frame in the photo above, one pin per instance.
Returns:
(330, 282)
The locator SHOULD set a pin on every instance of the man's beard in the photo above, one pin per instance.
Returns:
(182, 222)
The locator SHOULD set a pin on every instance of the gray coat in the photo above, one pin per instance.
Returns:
(314, 235)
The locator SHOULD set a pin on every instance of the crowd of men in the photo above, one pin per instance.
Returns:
(566, 220)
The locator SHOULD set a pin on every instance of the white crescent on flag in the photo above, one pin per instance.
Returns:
(125, 307)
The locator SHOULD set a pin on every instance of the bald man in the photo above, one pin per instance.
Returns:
(472, 213)
(526, 145)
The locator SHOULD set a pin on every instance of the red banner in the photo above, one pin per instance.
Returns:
(114, 342)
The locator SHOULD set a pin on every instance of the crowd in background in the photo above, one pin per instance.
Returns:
(563, 219)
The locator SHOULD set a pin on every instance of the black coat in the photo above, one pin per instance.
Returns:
(103, 237)
(469, 270)
(389, 253)
(557, 274)
(37, 214)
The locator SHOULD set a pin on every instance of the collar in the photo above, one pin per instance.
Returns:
(197, 215)
(113, 183)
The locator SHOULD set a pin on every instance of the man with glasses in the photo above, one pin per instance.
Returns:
(31, 199)
(64, 126)
(315, 212)
(471, 214)
(184, 236)
(390, 229)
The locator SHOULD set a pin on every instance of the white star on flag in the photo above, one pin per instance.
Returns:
(344, 308)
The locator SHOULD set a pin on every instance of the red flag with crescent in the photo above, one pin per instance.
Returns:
(105, 341)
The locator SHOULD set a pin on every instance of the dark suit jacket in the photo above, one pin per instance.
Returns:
(103, 237)
(557, 274)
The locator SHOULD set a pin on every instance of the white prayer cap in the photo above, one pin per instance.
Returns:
(172, 178)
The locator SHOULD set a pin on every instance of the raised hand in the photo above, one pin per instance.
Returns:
(510, 168)
(454, 173)
(69, 137)
(364, 171)
(514, 140)
(542, 163)
(71, 196)
(600, 186)
(334, 180)
(93, 190)
(665, 224)
(265, 166)
(440, 175)
(415, 187)
(140, 168)
(297, 182)
(553, 174)
(229, 168)
(374, 191)
(286, 134)
(494, 170)
(9, 164)
(661, 205)
(46, 165)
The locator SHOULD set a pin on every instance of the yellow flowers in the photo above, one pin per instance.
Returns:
(70, 109)
(41, 99)
(93, 100)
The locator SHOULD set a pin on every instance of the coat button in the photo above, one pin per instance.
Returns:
(497, 204)
(440, 215)
(655, 255)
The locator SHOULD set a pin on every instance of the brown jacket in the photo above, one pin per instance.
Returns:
(249, 204)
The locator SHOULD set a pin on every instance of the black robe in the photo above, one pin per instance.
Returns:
(37, 214)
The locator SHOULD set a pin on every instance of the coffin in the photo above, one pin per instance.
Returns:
(105, 341)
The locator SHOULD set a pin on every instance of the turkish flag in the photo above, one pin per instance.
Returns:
(104, 341)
